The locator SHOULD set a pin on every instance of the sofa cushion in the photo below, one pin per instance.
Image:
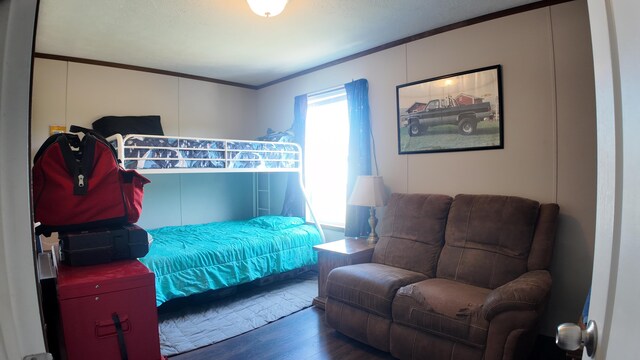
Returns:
(488, 239)
(412, 232)
(370, 287)
(445, 308)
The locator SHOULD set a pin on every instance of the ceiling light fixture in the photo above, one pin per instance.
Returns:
(267, 8)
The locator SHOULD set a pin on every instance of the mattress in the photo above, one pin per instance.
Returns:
(147, 152)
(192, 259)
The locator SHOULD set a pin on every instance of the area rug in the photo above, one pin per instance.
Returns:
(205, 324)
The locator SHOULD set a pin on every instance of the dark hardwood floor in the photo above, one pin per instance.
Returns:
(303, 335)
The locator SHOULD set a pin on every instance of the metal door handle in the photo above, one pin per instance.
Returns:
(571, 337)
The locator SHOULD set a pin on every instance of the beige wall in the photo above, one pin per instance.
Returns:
(68, 93)
(549, 125)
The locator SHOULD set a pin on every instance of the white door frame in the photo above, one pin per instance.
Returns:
(21, 330)
(615, 289)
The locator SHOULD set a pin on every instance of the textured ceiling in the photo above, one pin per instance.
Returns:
(223, 39)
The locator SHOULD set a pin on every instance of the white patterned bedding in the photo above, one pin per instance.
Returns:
(147, 152)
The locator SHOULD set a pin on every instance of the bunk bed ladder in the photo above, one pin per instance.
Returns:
(262, 197)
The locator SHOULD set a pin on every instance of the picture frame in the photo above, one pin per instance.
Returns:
(455, 112)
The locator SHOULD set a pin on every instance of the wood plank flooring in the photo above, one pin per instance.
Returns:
(303, 335)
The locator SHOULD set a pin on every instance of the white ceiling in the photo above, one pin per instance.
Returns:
(223, 39)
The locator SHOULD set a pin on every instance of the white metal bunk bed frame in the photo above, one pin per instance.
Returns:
(226, 151)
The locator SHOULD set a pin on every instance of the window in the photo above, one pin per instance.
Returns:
(433, 104)
(326, 150)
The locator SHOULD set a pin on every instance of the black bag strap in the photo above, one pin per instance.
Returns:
(43, 230)
(121, 343)
(77, 129)
(86, 131)
(80, 171)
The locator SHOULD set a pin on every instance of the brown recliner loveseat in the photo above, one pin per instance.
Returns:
(450, 278)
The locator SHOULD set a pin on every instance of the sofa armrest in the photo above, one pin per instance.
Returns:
(527, 292)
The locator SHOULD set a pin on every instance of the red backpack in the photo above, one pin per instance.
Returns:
(79, 185)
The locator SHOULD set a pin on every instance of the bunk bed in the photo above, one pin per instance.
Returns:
(192, 259)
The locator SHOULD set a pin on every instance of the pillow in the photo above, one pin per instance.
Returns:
(272, 222)
(125, 125)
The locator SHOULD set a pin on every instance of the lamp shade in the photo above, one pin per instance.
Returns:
(368, 191)
(267, 8)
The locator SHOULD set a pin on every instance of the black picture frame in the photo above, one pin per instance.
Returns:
(455, 112)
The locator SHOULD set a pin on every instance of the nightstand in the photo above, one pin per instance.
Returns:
(335, 254)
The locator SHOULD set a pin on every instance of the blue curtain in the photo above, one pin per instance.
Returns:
(294, 204)
(359, 158)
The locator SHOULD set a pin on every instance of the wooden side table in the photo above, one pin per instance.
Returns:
(335, 254)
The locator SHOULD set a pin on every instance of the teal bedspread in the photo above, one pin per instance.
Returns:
(192, 259)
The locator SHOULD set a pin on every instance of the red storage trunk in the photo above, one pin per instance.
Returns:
(89, 296)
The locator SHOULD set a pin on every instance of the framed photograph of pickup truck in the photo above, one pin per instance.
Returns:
(456, 112)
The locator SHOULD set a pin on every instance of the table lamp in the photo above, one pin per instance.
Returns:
(369, 191)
